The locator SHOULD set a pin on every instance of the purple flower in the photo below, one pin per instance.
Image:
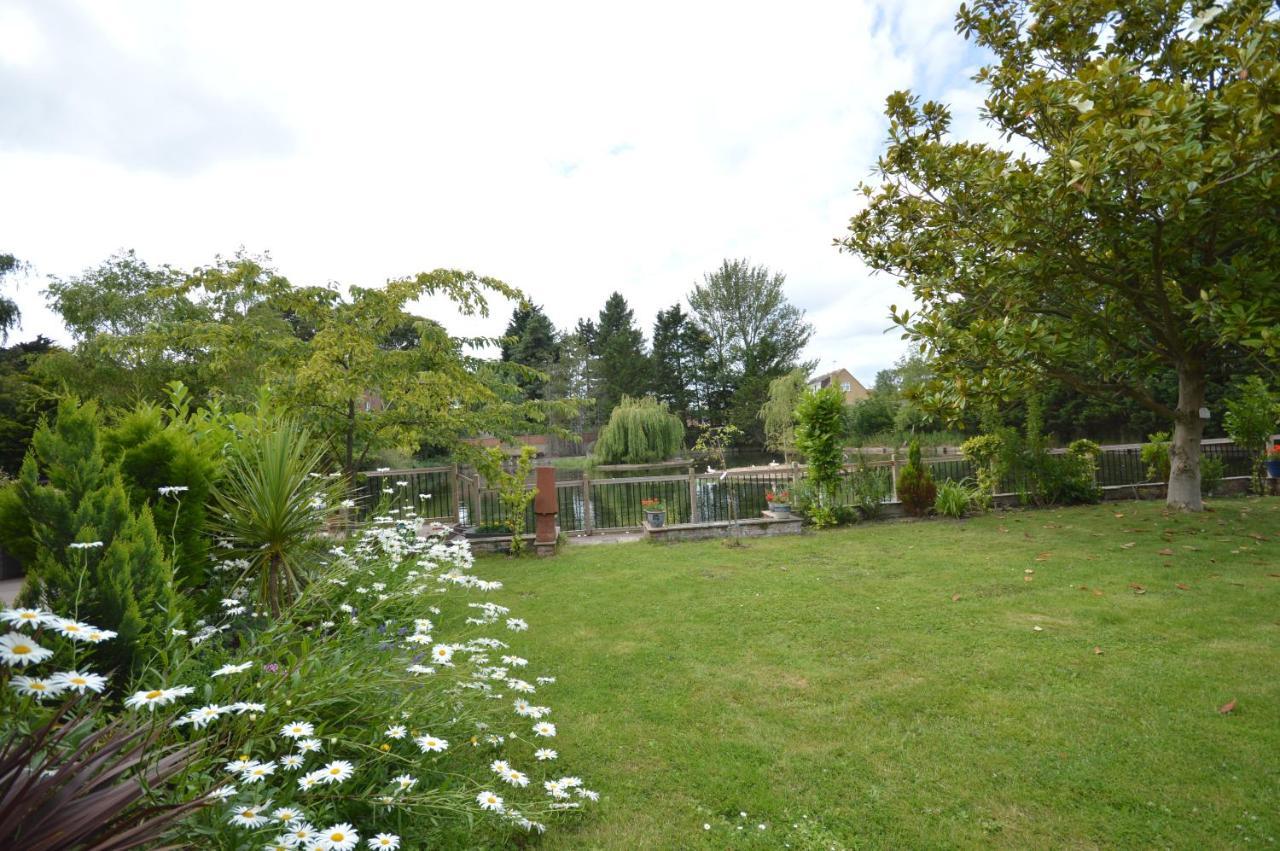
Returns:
(271, 667)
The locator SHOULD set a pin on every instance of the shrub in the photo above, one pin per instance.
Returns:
(87, 550)
(869, 487)
(639, 431)
(953, 499)
(1066, 479)
(271, 506)
(986, 452)
(1212, 470)
(1155, 455)
(514, 494)
(1252, 413)
(820, 430)
(916, 489)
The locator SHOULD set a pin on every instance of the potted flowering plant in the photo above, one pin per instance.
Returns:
(655, 511)
(1273, 462)
(779, 502)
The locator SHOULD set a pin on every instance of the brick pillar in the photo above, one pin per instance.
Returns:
(545, 510)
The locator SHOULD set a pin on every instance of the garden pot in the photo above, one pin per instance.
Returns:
(781, 509)
(1273, 469)
(655, 519)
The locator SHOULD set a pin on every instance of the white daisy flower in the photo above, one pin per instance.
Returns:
(336, 771)
(388, 841)
(516, 625)
(297, 729)
(258, 773)
(98, 635)
(307, 782)
(222, 793)
(199, 718)
(17, 649)
(442, 654)
(544, 754)
(309, 745)
(420, 669)
(242, 707)
(431, 744)
(489, 801)
(292, 761)
(515, 778)
(36, 687)
(515, 661)
(156, 697)
(555, 789)
(520, 685)
(27, 617)
(545, 728)
(300, 833)
(286, 814)
(339, 837)
(85, 545)
(248, 815)
(588, 794)
(499, 766)
(396, 731)
(172, 490)
(226, 670)
(405, 782)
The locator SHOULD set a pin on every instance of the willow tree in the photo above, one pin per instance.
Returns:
(1135, 233)
(639, 431)
(779, 413)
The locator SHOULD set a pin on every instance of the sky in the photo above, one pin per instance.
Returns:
(569, 149)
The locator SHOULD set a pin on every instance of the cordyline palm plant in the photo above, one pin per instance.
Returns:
(271, 505)
(68, 785)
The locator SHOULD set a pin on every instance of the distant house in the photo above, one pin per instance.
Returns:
(842, 378)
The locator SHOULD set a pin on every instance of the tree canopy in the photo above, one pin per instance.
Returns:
(1136, 232)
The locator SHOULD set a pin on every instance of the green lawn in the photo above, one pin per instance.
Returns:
(886, 685)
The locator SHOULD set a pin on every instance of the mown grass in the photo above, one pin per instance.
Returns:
(886, 686)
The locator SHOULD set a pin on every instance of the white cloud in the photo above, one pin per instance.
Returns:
(569, 149)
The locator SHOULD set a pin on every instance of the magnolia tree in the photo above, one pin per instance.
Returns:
(1133, 231)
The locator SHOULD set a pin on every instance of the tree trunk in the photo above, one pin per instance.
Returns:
(350, 461)
(1184, 449)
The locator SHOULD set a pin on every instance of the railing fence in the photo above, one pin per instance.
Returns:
(588, 505)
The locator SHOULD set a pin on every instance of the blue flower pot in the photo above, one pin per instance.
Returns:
(1273, 469)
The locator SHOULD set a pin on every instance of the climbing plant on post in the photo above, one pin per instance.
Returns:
(820, 431)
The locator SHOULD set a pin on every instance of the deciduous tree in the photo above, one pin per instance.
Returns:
(1133, 232)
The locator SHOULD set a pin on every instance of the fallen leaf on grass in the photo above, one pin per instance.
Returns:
(955, 598)
(1043, 556)
(1182, 586)
(1228, 707)
(1165, 552)
(1097, 651)
(1097, 592)
(1038, 628)
(1137, 589)
(1129, 545)
(1257, 537)
(1004, 528)
(1118, 516)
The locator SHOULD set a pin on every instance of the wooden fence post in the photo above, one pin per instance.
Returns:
(693, 495)
(894, 475)
(588, 522)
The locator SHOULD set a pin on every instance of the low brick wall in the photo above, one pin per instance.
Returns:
(496, 543)
(756, 527)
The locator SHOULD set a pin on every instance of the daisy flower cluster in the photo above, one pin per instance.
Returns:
(21, 649)
(388, 647)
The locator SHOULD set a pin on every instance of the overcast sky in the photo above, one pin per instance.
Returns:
(568, 149)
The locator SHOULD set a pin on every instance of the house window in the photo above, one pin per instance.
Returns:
(844, 385)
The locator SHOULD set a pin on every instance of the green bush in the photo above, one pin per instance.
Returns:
(1066, 479)
(1155, 455)
(953, 499)
(820, 430)
(916, 488)
(87, 550)
(1212, 471)
(868, 488)
(639, 431)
